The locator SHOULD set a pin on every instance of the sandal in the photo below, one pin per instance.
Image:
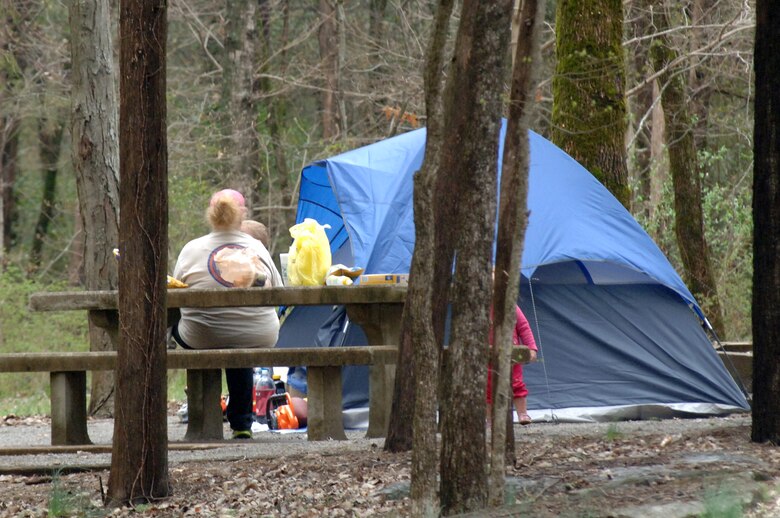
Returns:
(524, 419)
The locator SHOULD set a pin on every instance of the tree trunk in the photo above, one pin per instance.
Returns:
(17, 17)
(512, 222)
(95, 159)
(472, 113)
(277, 221)
(685, 170)
(375, 59)
(139, 456)
(641, 107)
(766, 227)
(589, 107)
(76, 252)
(341, 58)
(328, 40)
(50, 141)
(700, 83)
(659, 165)
(238, 75)
(404, 408)
(9, 151)
(420, 350)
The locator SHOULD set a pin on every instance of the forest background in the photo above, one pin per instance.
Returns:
(320, 77)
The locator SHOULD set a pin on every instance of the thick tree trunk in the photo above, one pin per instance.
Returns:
(512, 222)
(685, 170)
(139, 457)
(95, 156)
(417, 396)
(405, 409)
(766, 227)
(50, 141)
(589, 107)
(472, 113)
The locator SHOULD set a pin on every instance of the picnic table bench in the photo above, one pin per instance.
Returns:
(376, 308)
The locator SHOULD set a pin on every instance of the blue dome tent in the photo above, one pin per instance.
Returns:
(620, 334)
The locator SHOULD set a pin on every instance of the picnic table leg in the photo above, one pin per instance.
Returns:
(380, 322)
(204, 413)
(69, 408)
(325, 420)
(382, 325)
(380, 397)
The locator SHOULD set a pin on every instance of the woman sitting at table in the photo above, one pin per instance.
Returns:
(227, 258)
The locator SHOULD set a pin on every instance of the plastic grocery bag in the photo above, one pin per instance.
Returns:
(309, 258)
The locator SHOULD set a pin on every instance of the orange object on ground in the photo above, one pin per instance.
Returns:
(281, 412)
(285, 415)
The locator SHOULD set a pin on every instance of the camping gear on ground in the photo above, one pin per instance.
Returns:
(264, 388)
(278, 384)
(281, 413)
(620, 336)
(310, 256)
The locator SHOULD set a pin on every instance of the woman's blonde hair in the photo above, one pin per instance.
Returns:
(226, 210)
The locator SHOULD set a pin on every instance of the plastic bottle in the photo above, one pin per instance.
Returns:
(279, 384)
(264, 388)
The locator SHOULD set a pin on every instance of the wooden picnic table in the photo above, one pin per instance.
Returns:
(377, 309)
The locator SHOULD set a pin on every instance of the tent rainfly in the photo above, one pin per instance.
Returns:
(620, 335)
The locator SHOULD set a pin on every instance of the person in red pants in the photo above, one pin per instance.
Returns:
(521, 335)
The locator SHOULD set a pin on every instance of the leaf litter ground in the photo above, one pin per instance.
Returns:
(692, 467)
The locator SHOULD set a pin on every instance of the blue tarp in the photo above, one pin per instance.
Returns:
(582, 249)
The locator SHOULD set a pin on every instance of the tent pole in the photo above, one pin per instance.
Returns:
(541, 351)
(740, 382)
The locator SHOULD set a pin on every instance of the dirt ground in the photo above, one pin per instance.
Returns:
(673, 468)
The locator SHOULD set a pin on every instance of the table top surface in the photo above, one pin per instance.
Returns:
(228, 297)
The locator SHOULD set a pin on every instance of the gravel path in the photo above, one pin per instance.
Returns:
(35, 431)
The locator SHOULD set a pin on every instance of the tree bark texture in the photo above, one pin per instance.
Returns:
(685, 170)
(404, 408)
(512, 222)
(239, 90)
(95, 156)
(417, 333)
(328, 40)
(399, 435)
(766, 227)
(472, 113)
(139, 459)
(589, 107)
